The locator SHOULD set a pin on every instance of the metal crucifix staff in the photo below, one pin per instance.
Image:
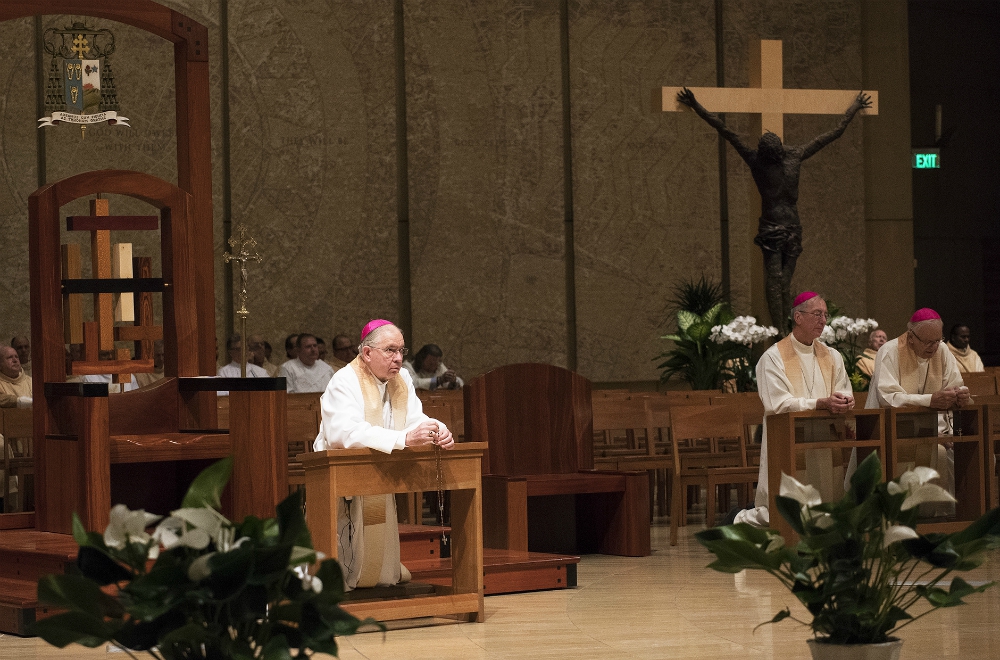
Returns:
(244, 249)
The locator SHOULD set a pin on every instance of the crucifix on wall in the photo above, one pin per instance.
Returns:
(775, 167)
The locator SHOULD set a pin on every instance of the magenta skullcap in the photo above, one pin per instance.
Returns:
(371, 325)
(924, 314)
(804, 296)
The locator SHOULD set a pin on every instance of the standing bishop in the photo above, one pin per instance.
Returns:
(372, 403)
(800, 373)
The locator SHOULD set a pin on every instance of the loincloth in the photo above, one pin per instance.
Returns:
(782, 239)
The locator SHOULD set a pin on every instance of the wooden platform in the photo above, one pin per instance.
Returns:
(504, 571)
(25, 556)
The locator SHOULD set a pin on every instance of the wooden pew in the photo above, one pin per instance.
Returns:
(537, 420)
(16, 460)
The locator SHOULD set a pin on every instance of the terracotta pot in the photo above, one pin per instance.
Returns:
(887, 651)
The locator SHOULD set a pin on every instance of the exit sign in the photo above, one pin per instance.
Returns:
(926, 159)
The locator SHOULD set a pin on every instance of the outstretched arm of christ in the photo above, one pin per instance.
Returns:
(820, 141)
(687, 98)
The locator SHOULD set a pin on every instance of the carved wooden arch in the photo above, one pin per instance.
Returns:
(193, 127)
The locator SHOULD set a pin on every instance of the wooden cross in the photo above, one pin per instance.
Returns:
(767, 96)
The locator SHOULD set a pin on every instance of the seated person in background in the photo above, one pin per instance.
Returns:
(22, 345)
(372, 403)
(800, 373)
(234, 346)
(866, 361)
(344, 351)
(291, 347)
(257, 353)
(148, 379)
(321, 345)
(15, 392)
(15, 384)
(968, 360)
(429, 373)
(113, 388)
(306, 373)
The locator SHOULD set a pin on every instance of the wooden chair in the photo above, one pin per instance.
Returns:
(538, 423)
(80, 433)
(708, 469)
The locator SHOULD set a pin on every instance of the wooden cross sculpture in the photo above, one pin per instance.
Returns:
(109, 263)
(773, 165)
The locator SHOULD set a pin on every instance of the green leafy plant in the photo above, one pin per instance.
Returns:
(860, 565)
(694, 358)
(214, 589)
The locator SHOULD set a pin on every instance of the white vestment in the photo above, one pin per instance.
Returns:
(909, 380)
(426, 380)
(345, 425)
(780, 394)
(232, 370)
(113, 388)
(301, 378)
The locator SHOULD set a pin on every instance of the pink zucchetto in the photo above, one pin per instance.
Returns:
(804, 296)
(371, 325)
(924, 314)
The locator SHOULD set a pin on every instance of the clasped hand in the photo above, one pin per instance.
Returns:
(952, 397)
(837, 402)
(431, 432)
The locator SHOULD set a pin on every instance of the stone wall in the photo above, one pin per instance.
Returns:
(311, 166)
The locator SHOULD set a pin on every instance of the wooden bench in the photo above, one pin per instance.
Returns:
(537, 420)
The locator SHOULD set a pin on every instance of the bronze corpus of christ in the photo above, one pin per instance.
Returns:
(775, 169)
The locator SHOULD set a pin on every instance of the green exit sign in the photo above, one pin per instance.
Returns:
(926, 159)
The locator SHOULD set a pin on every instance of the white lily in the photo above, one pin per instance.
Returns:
(897, 533)
(174, 531)
(308, 581)
(127, 526)
(199, 569)
(805, 494)
(915, 483)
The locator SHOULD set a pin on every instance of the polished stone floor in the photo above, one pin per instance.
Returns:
(664, 606)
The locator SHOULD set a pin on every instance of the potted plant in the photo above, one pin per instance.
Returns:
(199, 586)
(860, 566)
(850, 337)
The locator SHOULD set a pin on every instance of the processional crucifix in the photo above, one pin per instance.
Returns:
(779, 230)
(244, 249)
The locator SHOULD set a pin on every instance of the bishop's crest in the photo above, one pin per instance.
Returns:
(81, 86)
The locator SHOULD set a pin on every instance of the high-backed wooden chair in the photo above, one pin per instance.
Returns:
(538, 423)
(80, 432)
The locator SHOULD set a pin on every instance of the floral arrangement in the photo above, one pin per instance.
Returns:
(850, 337)
(198, 585)
(740, 335)
(860, 565)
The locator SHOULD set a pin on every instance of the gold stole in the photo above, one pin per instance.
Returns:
(961, 357)
(909, 370)
(793, 367)
(815, 466)
(377, 530)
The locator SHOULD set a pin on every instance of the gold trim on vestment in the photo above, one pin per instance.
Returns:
(909, 369)
(793, 367)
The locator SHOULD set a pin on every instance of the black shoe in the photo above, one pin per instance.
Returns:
(731, 516)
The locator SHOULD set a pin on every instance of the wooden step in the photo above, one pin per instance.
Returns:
(25, 556)
(420, 542)
(506, 571)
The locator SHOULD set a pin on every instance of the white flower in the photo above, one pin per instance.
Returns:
(742, 330)
(308, 581)
(199, 569)
(126, 526)
(915, 483)
(805, 494)
(897, 533)
(174, 531)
